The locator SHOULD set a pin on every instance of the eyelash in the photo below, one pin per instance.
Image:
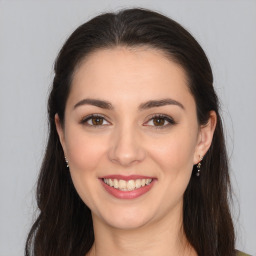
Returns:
(155, 116)
(163, 117)
(87, 118)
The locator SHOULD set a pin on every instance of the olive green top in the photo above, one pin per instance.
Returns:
(241, 254)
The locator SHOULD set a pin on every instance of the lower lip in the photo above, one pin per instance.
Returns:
(127, 194)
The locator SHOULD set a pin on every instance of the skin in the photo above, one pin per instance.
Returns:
(128, 141)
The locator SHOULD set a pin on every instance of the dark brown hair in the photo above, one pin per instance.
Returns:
(64, 224)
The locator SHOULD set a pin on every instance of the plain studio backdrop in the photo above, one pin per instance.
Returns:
(31, 34)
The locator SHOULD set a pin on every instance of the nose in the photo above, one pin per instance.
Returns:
(126, 147)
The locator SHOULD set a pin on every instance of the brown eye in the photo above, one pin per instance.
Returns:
(158, 121)
(97, 120)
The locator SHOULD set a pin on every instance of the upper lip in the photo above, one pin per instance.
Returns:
(126, 178)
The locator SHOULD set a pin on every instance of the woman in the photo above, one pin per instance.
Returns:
(136, 160)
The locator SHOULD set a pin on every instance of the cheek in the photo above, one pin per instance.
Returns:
(175, 153)
(84, 151)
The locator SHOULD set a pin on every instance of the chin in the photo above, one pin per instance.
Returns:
(126, 219)
(128, 223)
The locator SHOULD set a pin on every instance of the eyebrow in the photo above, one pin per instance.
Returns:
(95, 102)
(159, 103)
(143, 106)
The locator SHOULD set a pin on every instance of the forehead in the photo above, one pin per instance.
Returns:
(124, 74)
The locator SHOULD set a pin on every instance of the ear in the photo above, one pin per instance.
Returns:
(205, 137)
(60, 132)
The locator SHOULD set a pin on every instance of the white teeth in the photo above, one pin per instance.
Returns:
(115, 183)
(127, 185)
(138, 183)
(111, 183)
(147, 181)
(131, 185)
(122, 184)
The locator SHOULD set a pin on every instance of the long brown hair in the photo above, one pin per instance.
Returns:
(64, 224)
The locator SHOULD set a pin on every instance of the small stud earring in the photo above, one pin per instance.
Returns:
(66, 160)
(199, 166)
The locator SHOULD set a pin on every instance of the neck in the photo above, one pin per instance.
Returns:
(158, 238)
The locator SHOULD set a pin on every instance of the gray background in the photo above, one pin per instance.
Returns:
(32, 32)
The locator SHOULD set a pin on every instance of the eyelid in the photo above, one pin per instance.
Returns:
(167, 118)
(85, 120)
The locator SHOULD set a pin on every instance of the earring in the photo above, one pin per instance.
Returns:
(66, 160)
(199, 166)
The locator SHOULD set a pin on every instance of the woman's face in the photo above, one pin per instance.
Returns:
(131, 136)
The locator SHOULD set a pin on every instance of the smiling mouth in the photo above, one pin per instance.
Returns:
(128, 185)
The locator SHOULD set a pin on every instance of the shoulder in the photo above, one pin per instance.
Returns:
(238, 253)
